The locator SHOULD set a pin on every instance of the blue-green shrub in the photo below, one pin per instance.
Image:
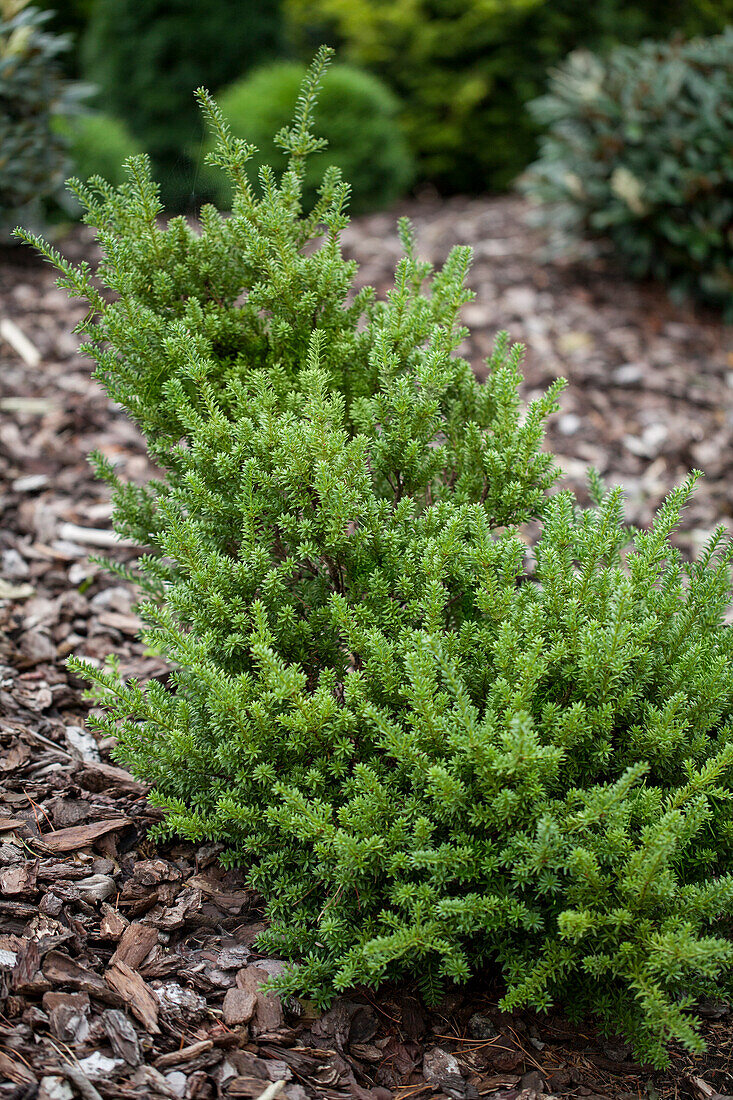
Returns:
(638, 149)
(33, 95)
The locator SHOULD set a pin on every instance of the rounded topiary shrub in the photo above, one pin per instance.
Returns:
(431, 754)
(356, 115)
(98, 146)
(638, 150)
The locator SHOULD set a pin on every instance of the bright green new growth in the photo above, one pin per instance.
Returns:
(431, 753)
(356, 116)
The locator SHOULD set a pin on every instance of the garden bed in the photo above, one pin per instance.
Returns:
(127, 969)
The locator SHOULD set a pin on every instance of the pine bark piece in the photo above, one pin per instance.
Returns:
(19, 878)
(113, 924)
(239, 1006)
(60, 969)
(98, 777)
(268, 1014)
(136, 943)
(54, 998)
(82, 836)
(69, 1022)
(136, 993)
(122, 1036)
(26, 972)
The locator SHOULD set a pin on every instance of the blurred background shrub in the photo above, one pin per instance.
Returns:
(639, 149)
(33, 94)
(70, 17)
(465, 69)
(146, 57)
(356, 114)
(98, 144)
(430, 92)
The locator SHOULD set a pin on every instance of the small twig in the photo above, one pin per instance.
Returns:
(274, 1089)
(46, 741)
(19, 342)
(81, 1083)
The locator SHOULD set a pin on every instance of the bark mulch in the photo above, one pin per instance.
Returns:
(127, 969)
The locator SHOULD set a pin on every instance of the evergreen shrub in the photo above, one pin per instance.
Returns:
(638, 149)
(146, 56)
(433, 750)
(356, 116)
(465, 70)
(33, 94)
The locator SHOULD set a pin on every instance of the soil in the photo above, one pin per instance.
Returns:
(127, 967)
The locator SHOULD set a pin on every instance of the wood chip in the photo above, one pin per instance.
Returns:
(112, 924)
(137, 941)
(91, 536)
(136, 993)
(186, 1054)
(82, 836)
(239, 1006)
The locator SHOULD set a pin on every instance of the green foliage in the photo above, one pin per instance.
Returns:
(466, 69)
(99, 145)
(147, 56)
(639, 149)
(356, 116)
(33, 92)
(431, 749)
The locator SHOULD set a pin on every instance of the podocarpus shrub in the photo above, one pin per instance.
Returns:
(429, 755)
(33, 91)
(465, 70)
(639, 149)
(356, 116)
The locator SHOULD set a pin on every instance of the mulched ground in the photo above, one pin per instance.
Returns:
(127, 969)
